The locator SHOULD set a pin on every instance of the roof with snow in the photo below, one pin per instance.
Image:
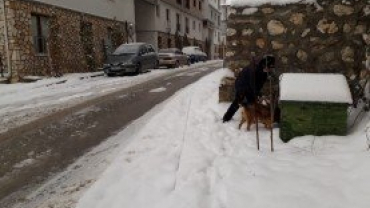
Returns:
(315, 88)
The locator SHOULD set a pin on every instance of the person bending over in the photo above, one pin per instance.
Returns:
(248, 85)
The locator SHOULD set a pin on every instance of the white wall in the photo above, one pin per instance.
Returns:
(145, 17)
(161, 22)
(214, 3)
(122, 10)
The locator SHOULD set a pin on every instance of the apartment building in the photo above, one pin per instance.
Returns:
(51, 37)
(170, 23)
(212, 32)
(224, 16)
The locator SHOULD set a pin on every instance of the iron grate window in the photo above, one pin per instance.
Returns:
(40, 32)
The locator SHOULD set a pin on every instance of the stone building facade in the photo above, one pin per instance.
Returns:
(327, 36)
(71, 41)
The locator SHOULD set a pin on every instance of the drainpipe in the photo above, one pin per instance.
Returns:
(7, 42)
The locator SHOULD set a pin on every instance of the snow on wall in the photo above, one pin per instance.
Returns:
(314, 87)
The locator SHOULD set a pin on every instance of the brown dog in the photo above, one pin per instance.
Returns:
(262, 112)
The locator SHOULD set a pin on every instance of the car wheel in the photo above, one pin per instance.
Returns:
(139, 69)
(177, 64)
(156, 66)
(110, 74)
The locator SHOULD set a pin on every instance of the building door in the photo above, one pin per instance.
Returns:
(88, 45)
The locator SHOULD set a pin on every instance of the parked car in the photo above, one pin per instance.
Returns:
(195, 54)
(131, 58)
(172, 58)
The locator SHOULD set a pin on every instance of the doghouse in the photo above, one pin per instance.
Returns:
(313, 104)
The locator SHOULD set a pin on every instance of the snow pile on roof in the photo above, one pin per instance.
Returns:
(255, 3)
(315, 87)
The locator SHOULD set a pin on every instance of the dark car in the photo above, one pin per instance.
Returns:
(172, 57)
(195, 54)
(131, 58)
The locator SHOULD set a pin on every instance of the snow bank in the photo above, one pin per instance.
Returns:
(186, 157)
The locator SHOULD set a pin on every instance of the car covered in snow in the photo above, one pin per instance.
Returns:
(195, 54)
(172, 58)
(131, 58)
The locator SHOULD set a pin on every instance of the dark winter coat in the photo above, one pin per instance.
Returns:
(249, 83)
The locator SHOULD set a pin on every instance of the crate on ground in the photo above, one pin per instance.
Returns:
(227, 89)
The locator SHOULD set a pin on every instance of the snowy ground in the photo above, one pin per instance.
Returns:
(25, 102)
(180, 154)
(193, 160)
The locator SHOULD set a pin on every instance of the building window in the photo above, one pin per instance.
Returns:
(194, 25)
(186, 25)
(109, 41)
(199, 26)
(167, 14)
(157, 10)
(200, 5)
(194, 3)
(178, 25)
(40, 32)
(179, 2)
(187, 4)
(169, 43)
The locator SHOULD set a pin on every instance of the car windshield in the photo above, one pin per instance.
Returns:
(126, 49)
(167, 50)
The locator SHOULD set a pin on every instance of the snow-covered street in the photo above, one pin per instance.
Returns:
(23, 103)
(180, 154)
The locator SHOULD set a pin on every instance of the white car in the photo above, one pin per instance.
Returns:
(195, 54)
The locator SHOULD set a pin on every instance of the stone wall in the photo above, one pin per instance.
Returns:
(330, 36)
(67, 49)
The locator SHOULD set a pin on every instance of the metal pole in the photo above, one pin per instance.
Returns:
(255, 102)
(126, 28)
(256, 120)
(272, 107)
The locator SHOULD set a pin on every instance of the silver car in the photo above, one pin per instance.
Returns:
(131, 58)
(172, 58)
